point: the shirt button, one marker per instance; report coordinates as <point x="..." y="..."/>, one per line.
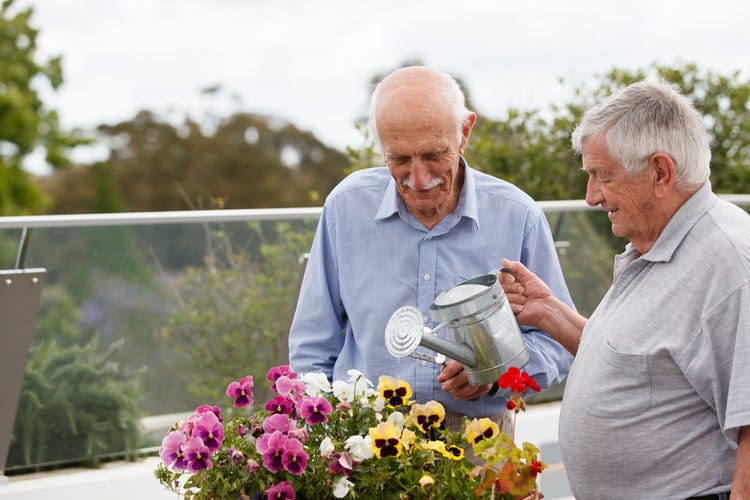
<point x="424" y="363"/>
<point x="427" y="277"/>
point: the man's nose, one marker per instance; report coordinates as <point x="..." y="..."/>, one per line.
<point x="420" y="175"/>
<point x="593" y="192"/>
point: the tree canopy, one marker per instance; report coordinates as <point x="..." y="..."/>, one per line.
<point x="246" y="160"/>
<point x="532" y="149"/>
<point x="25" y="122"/>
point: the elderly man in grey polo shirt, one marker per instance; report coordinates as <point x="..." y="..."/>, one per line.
<point x="657" y="403"/>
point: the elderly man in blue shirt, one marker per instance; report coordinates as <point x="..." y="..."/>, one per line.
<point x="402" y="234"/>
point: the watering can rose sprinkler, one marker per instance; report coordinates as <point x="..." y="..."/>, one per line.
<point x="485" y="336"/>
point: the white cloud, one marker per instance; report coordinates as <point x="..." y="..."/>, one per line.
<point x="310" y="62"/>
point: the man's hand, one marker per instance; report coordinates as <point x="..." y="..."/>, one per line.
<point x="525" y="291"/>
<point x="534" y="305"/>
<point x="453" y="379"/>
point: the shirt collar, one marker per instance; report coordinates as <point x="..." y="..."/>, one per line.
<point x="681" y="223"/>
<point x="467" y="201"/>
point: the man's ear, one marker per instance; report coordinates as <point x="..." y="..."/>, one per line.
<point x="466" y="132"/>
<point x="664" y="171"/>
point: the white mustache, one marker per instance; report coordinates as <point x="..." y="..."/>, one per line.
<point x="434" y="182"/>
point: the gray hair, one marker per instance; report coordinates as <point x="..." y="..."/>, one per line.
<point x="645" y="118"/>
<point x="451" y="95"/>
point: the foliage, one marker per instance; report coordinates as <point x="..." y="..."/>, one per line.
<point x="532" y="148"/>
<point x="76" y="403"/>
<point x="241" y="161"/>
<point x="234" y="301"/>
<point x="315" y="439"/>
<point x="25" y="122"/>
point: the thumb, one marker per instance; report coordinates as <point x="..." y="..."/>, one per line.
<point x="521" y="272"/>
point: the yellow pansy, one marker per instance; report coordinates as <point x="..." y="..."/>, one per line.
<point x="426" y="481"/>
<point x="448" y="451"/>
<point x="394" y="391"/>
<point x="408" y="438"/>
<point x="481" y="428"/>
<point x="385" y="440"/>
<point x="428" y="416"/>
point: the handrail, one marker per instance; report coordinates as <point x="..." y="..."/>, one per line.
<point x="230" y="215"/>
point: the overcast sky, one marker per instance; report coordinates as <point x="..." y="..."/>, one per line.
<point x="310" y="61"/>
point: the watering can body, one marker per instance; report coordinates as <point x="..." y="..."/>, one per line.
<point x="484" y="334"/>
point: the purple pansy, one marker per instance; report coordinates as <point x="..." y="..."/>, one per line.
<point x="280" y="404"/>
<point x="271" y="447"/>
<point x="280" y="491"/>
<point x="197" y="455"/>
<point x="314" y="409"/>
<point x="209" y="429"/>
<point x="295" y="457"/>
<point x="241" y="392"/>
<point x="213" y="409"/>
<point x="172" y="452"/>
<point x="279" y="422"/>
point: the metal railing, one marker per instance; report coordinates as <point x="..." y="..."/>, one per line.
<point x="133" y="278"/>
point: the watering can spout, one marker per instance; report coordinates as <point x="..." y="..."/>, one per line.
<point x="485" y="336"/>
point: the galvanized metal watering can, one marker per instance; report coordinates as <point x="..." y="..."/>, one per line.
<point x="485" y="336"/>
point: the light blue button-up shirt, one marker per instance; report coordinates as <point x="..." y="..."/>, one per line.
<point x="370" y="256"/>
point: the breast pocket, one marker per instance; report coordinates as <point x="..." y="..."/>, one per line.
<point x="619" y="383"/>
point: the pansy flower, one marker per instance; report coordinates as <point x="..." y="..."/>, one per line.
<point x="271" y="447"/>
<point x="288" y="386"/>
<point x="385" y="440"/>
<point x="241" y="392"/>
<point x="209" y="429"/>
<point x="314" y="410"/>
<point x="482" y="428"/>
<point x="316" y="383"/>
<point x="281" y="491"/>
<point x="277" y="372"/>
<point x="395" y="392"/>
<point x="197" y="455"/>
<point x="295" y="457"/>
<point x="448" y="451"/>
<point x="171" y="451"/>
<point x="360" y="447"/>
<point x="213" y="409"/>
<point x="341" y="487"/>
<point x="280" y="404"/>
<point x="428" y="416"/>
<point x="279" y="422"/>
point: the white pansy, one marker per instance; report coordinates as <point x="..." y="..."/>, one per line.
<point x="343" y="390"/>
<point x="316" y="383"/>
<point x="341" y="487"/>
<point x="360" y="382"/>
<point x="378" y="405"/>
<point x="359" y="447"/>
<point x="326" y="447"/>
<point x="397" y="419"/>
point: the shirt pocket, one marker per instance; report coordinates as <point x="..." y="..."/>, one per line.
<point x="619" y="384"/>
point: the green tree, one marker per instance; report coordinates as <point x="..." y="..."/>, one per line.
<point x="241" y="161"/>
<point x="233" y="313"/>
<point x="532" y="148"/>
<point x="76" y="403"/>
<point x="25" y="122"/>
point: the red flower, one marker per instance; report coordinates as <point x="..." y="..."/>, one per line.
<point x="536" y="467"/>
<point x="517" y="381"/>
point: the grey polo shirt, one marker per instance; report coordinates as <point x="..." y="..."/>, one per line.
<point x="661" y="382"/>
